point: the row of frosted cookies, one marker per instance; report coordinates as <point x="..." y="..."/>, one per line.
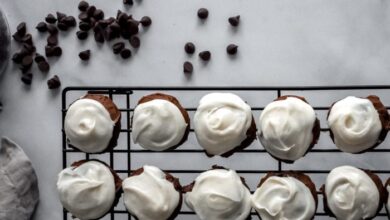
<point x="223" y="123"/>
<point x="90" y="189"/>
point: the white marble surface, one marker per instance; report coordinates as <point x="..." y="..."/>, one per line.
<point x="281" y="42"/>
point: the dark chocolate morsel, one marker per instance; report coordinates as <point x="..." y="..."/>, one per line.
<point x="85" y="55"/>
<point x="1" y="106"/>
<point x="82" y="35"/>
<point x="118" y="47"/>
<point x="53" y="51"/>
<point x="99" y="37"/>
<point x="27" y="39"/>
<point x="125" y="53"/>
<point x="203" y="13"/>
<point x="234" y="21"/>
<point x="52" y="29"/>
<point x="21" y="29"/>
<point x="189" y="48"/>
<point x="146" y="21"/>
<point x="83" y="5"/>
<point x="17" y="58"/>
<point x="98" y="14"/>
<point x="44" y="66"/>
<point x="39" y="58"/>
<point x="135" y="41"/>
<point x="27" y="78"/>
<point x="41" y="27"/>
<point x="27" y="61"/>
<point x="70" y="21"/>
<point x="52" y="40"/>
<point x="17" y="38"/>
<point x="60" y="16"/>
<point x="84" y="16"/>
<point x="187" y="67"/>
<point x="205" y="55"/>
<point x="231" y="49"/>
<point x="50" y="18"/>
<point x="84" y="26"/>
<point x="54" y="82"/>
<point x="128" y="2"/>
<point x="28" y="49"/>
<point x="62" y="26"/>
<point x="91" y="10"/>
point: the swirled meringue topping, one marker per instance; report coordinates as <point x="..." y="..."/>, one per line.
<point x="158" y="125"/>
<point x="87" y="191"/>
<point x="351" y="194"/>
<point x="88" y="126"/>
<point x="284" y="198"/>
<point x="286" y="128"/>
<point x="355" y="124"/>
<point x="219" y="195"/>
<point x="149" y="195"/>
<point x="221" y="122"/>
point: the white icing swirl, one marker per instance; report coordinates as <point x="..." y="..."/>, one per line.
<point x="158" y="125"/>
<point x="88" y="126"/>
<point x="285" y="128"/>
<point x="284" y="198"/>
<point x="351" y="194"/>
<point x="87" y="191"/>
<point x="150" y="196"/>
<point x="221" y="122"/>
<point x="355" y="124"/>
<point x="219" y="195"/>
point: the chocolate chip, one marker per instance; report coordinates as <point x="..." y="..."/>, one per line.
<point x="187" y="67"/>
<point x="85" y="55"/>
<point x="25" y="69"/>
<point x="28" y="49"/>
<point x="21" y="29"/>
<point x="189" y="48"/>
<point x="99" y="37"/>
<point x="82" y="35"/>
<point x="98" y="14"/>
<point x="231" y="49"/>
<point x="84" y="16"/>
<point x="41" y="27"/>
<point x="146" y="21"/>
<point x="60" y="16"/>
<point x="53" y="51"/>
<point x="52" y="29"/>
<point x="84" y="26"/>
<point x="27" y="39"/>
<point x="27" y="61"/>
<point x="17" y="58"/>
<point x="39" y="58"/>
<point x="205" y="55"/>
<point x="125" y="53"/>
<point x="70" y="21"/>
<point x="109" y="34"/>
<point x="17" y="38"/>
<point x="203" y="13"/>
<point x="27" y="78"/>
<point x="62" y="26"/>
<point x="1" y="107"/>
<point x="234" y="21"/>
<point x="118" y="47"/>
<point x="122" y="18"/>
<point x="83" y="5"/>
<point x="128" y="2"/>
<point x="135" y="41"/>
<point x="115" y="27"/>
<point x="52" y="40"/>
<point x="50" y="19"/>
<point x="44" y="66"/>
<point x="91" y="10"/>
<point x="54" y="82"/>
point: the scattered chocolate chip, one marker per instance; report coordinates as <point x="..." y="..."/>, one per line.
<point x="234" y="21"/>
<point x="62" y="26"/>
<point x="53" y="51"/>
<point x="231" y="49"/>
<point x="98" y="14"/>
<point x="135" y="41"/>
<point x="27" y="39"/>
<point x="115" y="27"/>
<point x="21" y="29"/>
<point x="84" y="26"/>
<point x="44" y="66"/>
<point x="39" y="58"/>
<point x="84" y="16"/>
<point x="128" y="2"/>
<point x="52" y="40"/>
<point x="118" y="47"/>
<point x="205" y="55"/>
<point x="125" y="53"/>
<point x="17" y="38"/>
<point x="1" y="107"/>
<point x="203" y="13"/>
<point x="27" y="78"/>
<point x="131" y="28"/>
<point x="85" y="55"/>
<point x="109" y="34"/>
<point x="50" y="19"/>
<point x="146" y="21"/>
<point x="122" y="18"/>
<point x="91" y="10"/>
<point x="41" y="27"/>
<point x="60" y="16"/>
<point x="54" y="82"/>
<point x="52" y="29"/>
<point x="82" y="35"/>
<point x="70" y="21"/>
<point x="17" y="58"/>
<point x="25" y="69"/>
<point x="27" y="61"/>
<point x="187" y="67"/>
<point x="28" y="49"/>
<point x="83" y="5"/>
<point x="99" y="37"/>
<point x="189" y="48"/>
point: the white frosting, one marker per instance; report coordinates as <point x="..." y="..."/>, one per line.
<point x="150" y="196"/>
<point x="87" y="191"/>
<point x="355" y="124"/>
<point x="219" y="195"/>
<point x="158" y="125"/>
<point x="284" y="198"/>
<point x="351" y="194"/>
<point x="221" y="122"/>
<point x="285" y="128"/>
<point x="88" y="125"/>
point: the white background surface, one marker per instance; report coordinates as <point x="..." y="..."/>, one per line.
<point x="282" y="42"/>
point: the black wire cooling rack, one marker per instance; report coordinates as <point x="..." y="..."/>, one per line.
<point x="128" y="97"/>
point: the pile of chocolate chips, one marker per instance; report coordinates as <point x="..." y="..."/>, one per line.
<point x="189" y="47"/>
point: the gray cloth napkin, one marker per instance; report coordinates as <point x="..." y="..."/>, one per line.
<point x="19" y="194"/>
